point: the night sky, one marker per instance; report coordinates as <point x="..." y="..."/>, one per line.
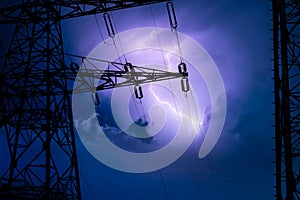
<point x="236" y="34"/>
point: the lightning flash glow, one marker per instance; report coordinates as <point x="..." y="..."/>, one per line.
<point x="184" y="106"/>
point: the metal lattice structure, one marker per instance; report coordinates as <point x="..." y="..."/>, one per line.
<point x="286" y="39"/>
<point x="36" y="85"/>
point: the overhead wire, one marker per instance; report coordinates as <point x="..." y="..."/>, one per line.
<point x="163" y="58"/>
<point x="88" y="184"/>
<point x="171" y="87"/>
<point x="125" y="58"/>
<point x="164" y="185"/>
<point x="100" y="31"/>
<point x="193" y="100"/>
<point x="192" y="96"/>
<point x="112" y="32"/>
<point x="115" y="31"/>
<point x="82" y="174"/>
<point x="189" y="153"/>
<point x="173" y="25"/>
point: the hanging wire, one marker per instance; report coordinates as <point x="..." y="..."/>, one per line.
<point x="159" y="42"/>
<point x="118" y="37"/>
<point x="112" y="32"/>
<point x="209" y="158"/>
<point x="170" y="85"/>
<point x="117" y="51"/>
<point x="139" y="101"/>
<point x="90" y="188"/>
<point x="134" y="102"/>
<point x="174" y="30"/>
<point x="189" y="154"/>
<point x="163" y="57"/>
<point x="164" y="185"/>
<point x="95" y="59"/>
<point x="124" y="55"/>
<point x="174" y="25"/>
<point x="100" y="31"/>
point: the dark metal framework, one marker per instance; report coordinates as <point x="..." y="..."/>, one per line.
<point x="36" y="85"/>
<point x="286" y="39"/>
<point x="123" y="75"/>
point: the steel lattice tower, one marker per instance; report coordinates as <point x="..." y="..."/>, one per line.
<point x="36" y="85"/>
<point x="286" y="39"/>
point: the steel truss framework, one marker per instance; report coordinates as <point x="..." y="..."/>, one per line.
<point x="286" y="39"/>
<point x="36" y="85"/>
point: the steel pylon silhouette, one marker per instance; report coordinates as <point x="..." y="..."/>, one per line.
<point x="286" y="40"/>
<point x="36" y="85"/>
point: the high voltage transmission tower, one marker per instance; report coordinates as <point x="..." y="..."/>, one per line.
<point x="35" y="89"/>
<point x="286" y="43"/>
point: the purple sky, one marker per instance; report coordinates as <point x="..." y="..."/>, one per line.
<point x="237" y="36"/>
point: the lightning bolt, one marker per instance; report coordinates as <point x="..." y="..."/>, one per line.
<point x="172" y="108"/>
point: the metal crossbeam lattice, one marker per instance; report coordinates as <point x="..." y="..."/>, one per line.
<point x="67" y="9"/>
<point x="286" y="39"/>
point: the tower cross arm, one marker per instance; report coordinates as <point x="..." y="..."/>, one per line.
<point x="65" y="9"/>
<point x="135" y="76"/>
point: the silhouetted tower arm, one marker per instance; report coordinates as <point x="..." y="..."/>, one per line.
<point x="126" y="75"/>
<point x="66" y="9"/>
